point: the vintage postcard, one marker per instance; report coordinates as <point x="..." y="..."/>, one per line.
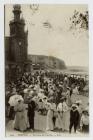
<point x="46" y="70"/>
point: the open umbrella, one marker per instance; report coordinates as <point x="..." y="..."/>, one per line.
<point x="13" y="100"/>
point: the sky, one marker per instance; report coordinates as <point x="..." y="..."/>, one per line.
<point x="54" y="39"/>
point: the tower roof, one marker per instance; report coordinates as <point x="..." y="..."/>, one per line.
<point x="17" y="8"/>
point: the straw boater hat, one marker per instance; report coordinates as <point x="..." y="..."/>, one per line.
<point x="85" y="111"/>
<point x="68" y="87"/>
<point x="74" y="106"/>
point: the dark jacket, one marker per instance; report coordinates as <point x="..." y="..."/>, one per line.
<point x="31" y="108"/>
<point x="74" y="116"/>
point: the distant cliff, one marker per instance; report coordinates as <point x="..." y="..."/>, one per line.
<point x="47" y="62"/>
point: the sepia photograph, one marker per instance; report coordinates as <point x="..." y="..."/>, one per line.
<point x="46" y="49"/>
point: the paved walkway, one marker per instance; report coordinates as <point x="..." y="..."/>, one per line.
<point x="40" y="129"/>
<point x="40" y="125"/>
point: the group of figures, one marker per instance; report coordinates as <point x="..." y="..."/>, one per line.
<point x="49" y="94"/>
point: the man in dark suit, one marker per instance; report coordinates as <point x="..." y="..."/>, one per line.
<point x="31" y="114"/>
<point x="74" y="118"/>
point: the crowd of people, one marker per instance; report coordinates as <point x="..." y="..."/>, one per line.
<point x="49" y="94"/>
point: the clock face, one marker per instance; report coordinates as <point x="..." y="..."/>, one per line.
<point x="20" y="43"/>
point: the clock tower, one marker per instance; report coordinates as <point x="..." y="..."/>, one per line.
<point x="18" y="37"/>
<point x="16" y="47"/>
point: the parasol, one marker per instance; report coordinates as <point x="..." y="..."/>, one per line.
<point x="13" y="100"/>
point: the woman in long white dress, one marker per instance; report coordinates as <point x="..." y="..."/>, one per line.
<point x="68" y="98"/>
<point x="59" y="121"/>
<point x="66" y="116"/>
<point x="49" y="123"/>
<point x="62" y="109"/>
<point x="20" y="116"/>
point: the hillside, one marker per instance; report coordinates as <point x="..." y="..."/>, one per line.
<point x="47" y="62"/>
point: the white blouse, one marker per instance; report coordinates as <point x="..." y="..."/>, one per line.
<point x="62" y="107"/>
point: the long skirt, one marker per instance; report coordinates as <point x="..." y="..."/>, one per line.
<point x="49" y="123"/>
<point x="66" y="117"/>
<point x="26" y="118"/>
<point x="11" y="113"/>
<point x="20" y="121"/>
<point x="59" y="121"/>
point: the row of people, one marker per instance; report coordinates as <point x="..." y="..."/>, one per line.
<point x="61" y="117"/>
